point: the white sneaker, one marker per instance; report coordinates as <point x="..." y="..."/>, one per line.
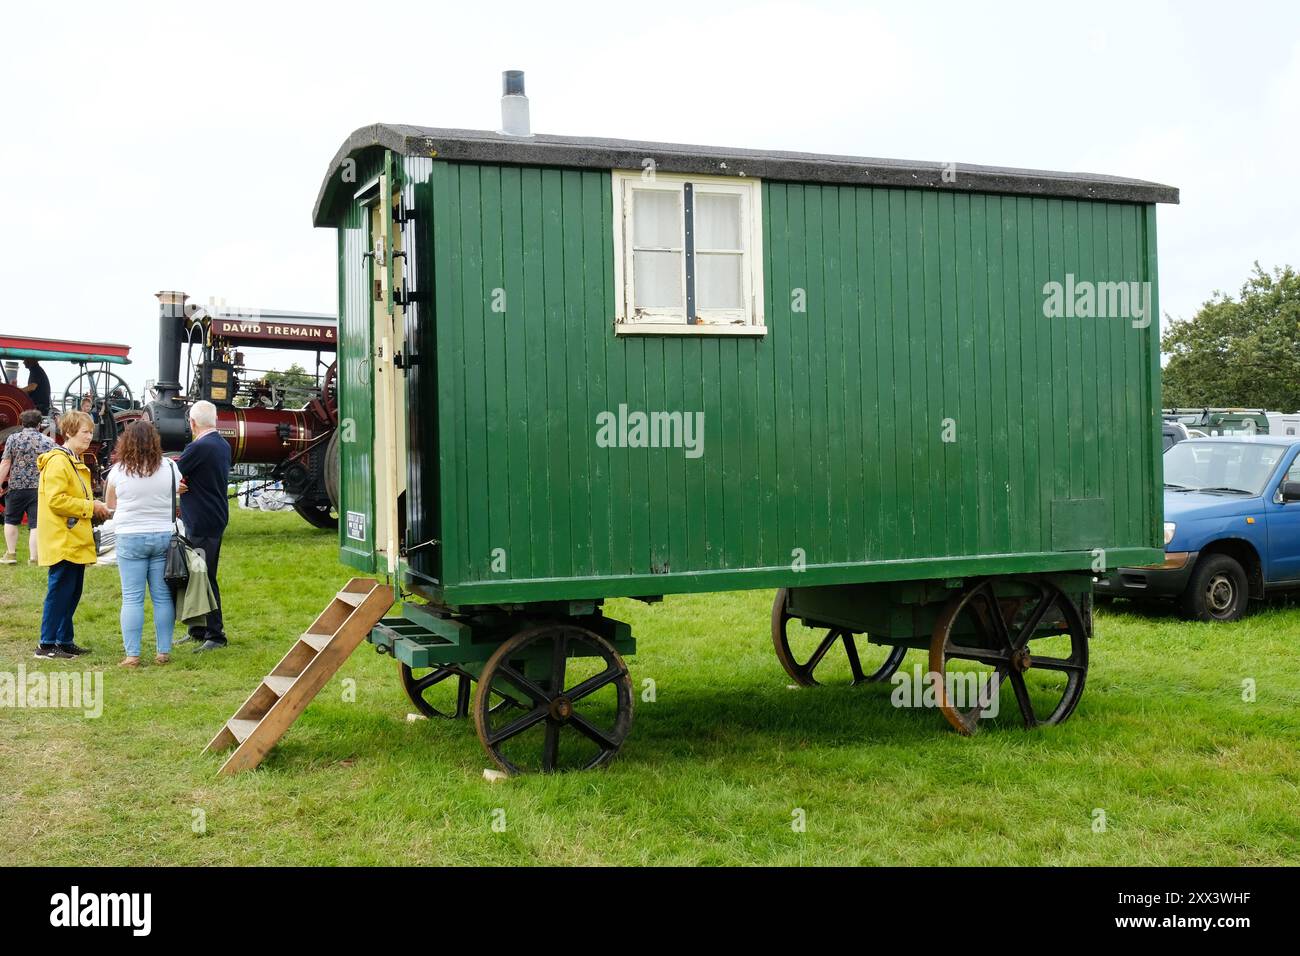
<point x="10" y="558"/>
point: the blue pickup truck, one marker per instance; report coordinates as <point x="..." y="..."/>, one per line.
<point x="1232" y="527"/>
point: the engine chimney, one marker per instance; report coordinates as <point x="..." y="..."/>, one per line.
<point x="167" y="411"/>
<point x="514" y="104"/>
<point x="171" y="326"/>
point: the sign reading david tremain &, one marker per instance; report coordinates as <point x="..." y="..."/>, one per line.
<point x="308" y="332"/>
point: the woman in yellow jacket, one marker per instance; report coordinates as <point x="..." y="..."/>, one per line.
<point x="65" y="506"/>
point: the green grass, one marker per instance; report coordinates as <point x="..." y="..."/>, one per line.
<point x="1184" y="769"/>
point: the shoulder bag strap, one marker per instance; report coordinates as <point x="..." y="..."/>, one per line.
<point x="176" y="504"/>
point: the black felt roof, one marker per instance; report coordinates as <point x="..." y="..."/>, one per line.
<point x="480" y="146"/>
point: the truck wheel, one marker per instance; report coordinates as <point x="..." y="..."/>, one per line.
<point x="1218" y="590"/>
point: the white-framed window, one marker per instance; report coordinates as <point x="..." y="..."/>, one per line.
<point x="687" y="254"/>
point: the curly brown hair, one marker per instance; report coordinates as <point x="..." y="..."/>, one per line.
<point x="139" y="451"/>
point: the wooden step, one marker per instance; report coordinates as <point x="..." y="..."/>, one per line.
<point x="317" y="642"/>
<point x="242" y="729"/>
<point x="299" y="677"/>
<point x="278" y="684"/>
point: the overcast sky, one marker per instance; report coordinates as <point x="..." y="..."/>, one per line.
<point x="181" y="147"/>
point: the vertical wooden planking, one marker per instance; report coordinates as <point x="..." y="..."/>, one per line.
<point x="830" y="348"/>
<point x="1017" y="350"/>
<point x="896" y="399"/>
<point x="917" y="345"/>
<point x="473" y="310"/>
<point x="535" y="321"/>
<point x="577" y="432"/>
<point x="870" y="491"/>
<point x="496" y="330"/>
<point x="941" y="535"/>
<point x="451" y="367"/>
<point x="767" y="383"/>
<point x="515" y="482"/>
<point x="963" y="501"/>
<point x="1123" y="386"/>
<point x="1004" y="410"/>
<point x="814" y="535"/>
<point x="594" y="325"/>
<point x="786" y="337"/>
<point x="1077" y="426"/>
<point x="855" y="447"/>
<point x="825" y="433"/>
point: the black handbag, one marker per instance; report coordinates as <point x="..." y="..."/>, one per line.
<point x="176" y="570"/>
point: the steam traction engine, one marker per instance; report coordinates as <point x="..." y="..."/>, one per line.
<point x="296" y="445"/>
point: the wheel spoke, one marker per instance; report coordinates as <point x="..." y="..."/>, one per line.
<point x="433" y="677"/>
<point x="593" y="684"/>
<point x="1046" y="604"/>
<point x="559" y="656"/>
<point x="517" y="726"/>
<point x="523" y="683"/>
<point x="982" y="655"/>
<point x="855" y="664"/>
<point x="603" y="740"/>
<point x="1022" y="698"/>
<point x="462" y="695"/>
<point x="995" y="622"/>
<point x="551" y="747"/>
<point x="822" y="648"/>
<point x="1057" y="664"/>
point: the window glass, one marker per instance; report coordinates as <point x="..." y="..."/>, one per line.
<point x="656" y="219"/>
<point x="717" y="222"/>
<point x="718" y="283"/>
<point x="658" y="279"/>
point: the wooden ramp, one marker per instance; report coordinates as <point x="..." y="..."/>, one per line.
<point x="310" y="663"/>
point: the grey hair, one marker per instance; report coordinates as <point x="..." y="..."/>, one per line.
<point x="204" y="414"/>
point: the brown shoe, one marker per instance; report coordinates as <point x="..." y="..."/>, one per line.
<point x="162" y="659"/>
<point x="130" y="662"/>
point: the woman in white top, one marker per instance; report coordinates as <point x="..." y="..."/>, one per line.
<point x="140" y="490"/>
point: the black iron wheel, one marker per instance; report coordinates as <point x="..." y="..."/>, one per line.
<point x="802" y="650"/>
<point x="443" y="692"/>
<point x="981" y="641"/>
<point x="575" y="717"/>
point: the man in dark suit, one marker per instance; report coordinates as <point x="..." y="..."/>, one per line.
<point x="205" y="465"/>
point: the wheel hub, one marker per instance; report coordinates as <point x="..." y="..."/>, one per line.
<point x="1021" y="660"/>
<point x="1220" y="593"/>
<point x="561" y="708"/>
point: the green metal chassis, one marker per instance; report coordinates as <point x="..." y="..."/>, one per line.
<point x="901" y="613"/>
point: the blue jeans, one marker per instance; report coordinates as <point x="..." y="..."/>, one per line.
<point x="62" y="595"/>
<point x="141" y="559"/>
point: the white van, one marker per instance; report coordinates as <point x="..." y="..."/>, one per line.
<point x="1280" y="423"/>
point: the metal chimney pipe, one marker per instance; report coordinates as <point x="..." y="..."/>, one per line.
<point x="514" y="105"/>
<point x="171" y="327"/>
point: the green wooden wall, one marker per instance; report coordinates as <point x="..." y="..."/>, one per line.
<point x="823" y="437"/>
